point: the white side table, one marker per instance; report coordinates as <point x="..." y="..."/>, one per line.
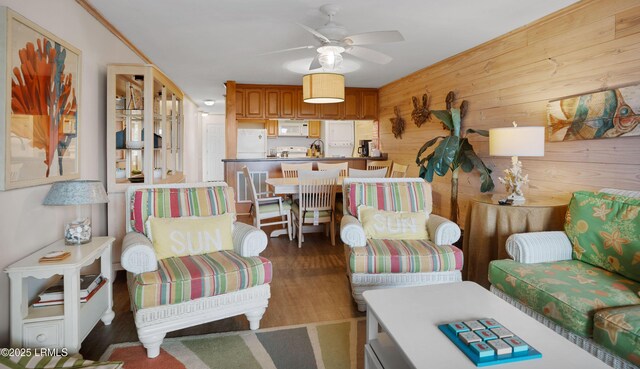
<point x="68" y="324"/>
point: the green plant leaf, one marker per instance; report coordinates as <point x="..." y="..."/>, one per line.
<point x="465" y="163"/>
<point x="445" y="154"/>
<point x="481" y="132"/>
<point x="424" y="147"/>
<point x="445" y="118"/>
<point x="485" y="173"/>
<point x="455" y="119"/>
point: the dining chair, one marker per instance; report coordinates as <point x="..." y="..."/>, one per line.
<point x="315" y="203"/>
<point x="398" y="170"/>
<point x="377" y="164"/>
<point x="291" y="170"/>
<point x="374" y="173"/>
<point x="268" y="207"/>
<point x="343" y="167"/>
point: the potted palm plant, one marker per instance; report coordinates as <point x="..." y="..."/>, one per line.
<point x="454" y="152"/>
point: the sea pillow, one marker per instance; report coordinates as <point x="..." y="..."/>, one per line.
<point x="393" y="225"/>
<point x="175" y="237"/>
<point x="605" y="231"/>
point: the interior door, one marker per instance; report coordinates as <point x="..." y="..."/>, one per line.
<point x="214" y="152"/>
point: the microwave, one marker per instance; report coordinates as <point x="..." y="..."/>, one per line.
<point x="298" y="128"/>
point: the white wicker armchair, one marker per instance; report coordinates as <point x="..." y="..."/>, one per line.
<point x="442" y="232"/>
<point x="152" y="323"/>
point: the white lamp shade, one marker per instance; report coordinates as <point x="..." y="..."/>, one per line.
<point x="323" y="88"/>
<point x="516" y="141"/>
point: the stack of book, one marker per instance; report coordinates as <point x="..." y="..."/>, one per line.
<point x="54" y="294"/>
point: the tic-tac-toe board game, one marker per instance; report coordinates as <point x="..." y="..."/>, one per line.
<point x="487" y="342"/>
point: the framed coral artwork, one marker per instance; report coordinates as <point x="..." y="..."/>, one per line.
<point x="40" y="104"/>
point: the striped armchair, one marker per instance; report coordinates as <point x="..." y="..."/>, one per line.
<point x="378" y="263"/>
<point x="180" y="292"/>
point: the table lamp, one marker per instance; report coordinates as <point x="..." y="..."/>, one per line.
<point x="81" y="194"/>
<point x="516" y="141"/>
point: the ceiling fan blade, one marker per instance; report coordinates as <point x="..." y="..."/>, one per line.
<point x="377" y="37"/>
<point x="318" y="35"/>
<point x="290" y="49"/>
<point x="315" y="63"/>
<point x="368" y="54"/>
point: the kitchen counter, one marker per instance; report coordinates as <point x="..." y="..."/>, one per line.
<point x="306" y="158"/>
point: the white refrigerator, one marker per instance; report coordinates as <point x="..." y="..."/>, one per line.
<point x="338" y="137"/>
<point x="252" y="143"/>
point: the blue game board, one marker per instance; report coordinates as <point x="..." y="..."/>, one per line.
<point x="487" y="342"/>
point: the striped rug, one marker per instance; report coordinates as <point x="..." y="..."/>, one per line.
<point x="326" y="345"/>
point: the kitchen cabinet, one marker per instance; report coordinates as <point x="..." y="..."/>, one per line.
<point x="314" y="129"/>
<point x="352" y="99"/>
<point x="272" y="103"/>
<point x="272" y="128"/>
<point x="275" y="101"/>
<point x="369" y="104"/>
<point x="254" y="103"/>
<point x="287" y="103"/>
<point x="305" y="111"/>
<point x="332" y="111"/>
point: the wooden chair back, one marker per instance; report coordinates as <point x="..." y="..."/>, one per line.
<point x="252" y="188"/>
<point x="374" y="173"/>
<point x="317" y="190"/>
<point x="343" y="167"/>
<point x="377" y="164"/>
<point x="291" y="170"/>
<point x="398" y="170"/>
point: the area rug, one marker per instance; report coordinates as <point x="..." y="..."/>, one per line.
<point x="326" y="345"/>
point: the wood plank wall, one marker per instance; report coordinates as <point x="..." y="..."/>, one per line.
<point x="591" y="45"/>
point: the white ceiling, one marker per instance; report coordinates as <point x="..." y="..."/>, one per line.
<point x="200" y="44"/>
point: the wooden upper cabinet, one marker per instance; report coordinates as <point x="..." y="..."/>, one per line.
<point x="305" y="110"/>
<point x="369" y="104"/>
<point x="332" y="111"/>
<point x="287" y="103"/>
<point x="240" y="113"/>
<point x="352" y="101"/>
<point x="272" y="103"/>
<point x="254" y="103"/>
<point x="314" y="129"/>
<point x="272" y="128"/>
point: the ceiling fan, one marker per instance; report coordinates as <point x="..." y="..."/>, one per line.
<point x="334" y="41"/>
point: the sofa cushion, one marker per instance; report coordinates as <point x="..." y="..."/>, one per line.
<point x="186" y="278"/>
<point x="404" y="256"/>
<point x="618" y="329"/>
<point x="605" y="231"/>
<point x="179" y="202"/>
<point x="393" y="196"/>
<point x="190" y="235"/>
<point x="393" y="225"/>
<point x="567" y="292"/>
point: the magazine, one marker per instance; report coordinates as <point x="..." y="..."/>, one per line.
<point x="40" y="302"/>
<point x="56" y="291"/>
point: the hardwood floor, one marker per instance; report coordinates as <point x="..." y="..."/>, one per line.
<point x="309" y="285"/>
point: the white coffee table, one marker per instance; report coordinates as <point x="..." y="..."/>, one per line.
<point x="410" y="337"/>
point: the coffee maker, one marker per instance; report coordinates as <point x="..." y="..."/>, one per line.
<point x="363" y="149"/>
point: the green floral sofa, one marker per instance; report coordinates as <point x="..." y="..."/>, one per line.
<point x="585" y="282"/>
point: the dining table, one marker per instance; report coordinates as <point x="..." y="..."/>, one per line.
<point x="289" y="186"/>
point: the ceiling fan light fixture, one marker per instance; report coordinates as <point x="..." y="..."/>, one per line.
<point x="323" y="88"/>
<point x="330" y="57"/>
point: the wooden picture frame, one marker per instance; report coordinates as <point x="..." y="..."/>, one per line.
<point x="40" y="104"/>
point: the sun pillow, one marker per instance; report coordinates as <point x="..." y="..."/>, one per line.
<point x="393" y="225"/>
<point x="175" y="237"/>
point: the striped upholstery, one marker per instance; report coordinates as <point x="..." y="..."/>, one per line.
<point x="191" y="277"/>
<point x="46" y="362"/>
<point x="179" y="202"/>
<point x="404" y="256"/>
<point x="392" y="196"/>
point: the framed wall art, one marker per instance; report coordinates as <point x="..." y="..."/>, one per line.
<point x="40" y="104"/>
<point x="604" y="114"/>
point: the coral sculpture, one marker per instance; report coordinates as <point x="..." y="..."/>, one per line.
<point x="41" y="88"/>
